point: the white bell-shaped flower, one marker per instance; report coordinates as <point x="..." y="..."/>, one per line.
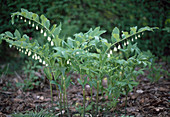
<point x="124" y="43"/>
<point x="36" y="27"/>
<point x="52" y="43"/>
<point x="49" y="39"/>
<point x="132" y="39"/>
<point x="41" y="31"/>
<point x="21" y="18"/>
<point x="40" y="60"/>
<point x="20" y="50"/>
<point x="136" y="37"/>
<point x="67" y="62"/>
<point x="46" y="65"/>
<point x="25" y="20"/>
<point x="25" y="52"/>
<point x="32" y="56"/>
<point x="111" y="52"/>
<point x="143" y="33"/>
<point x="43" y="62"/>
<point x="119" y="47"/>
<point x="35" y="57"/>
<point x="108" y="55"/>
<point x="29" y="53"/>
<point x="38" y="57"/>
<point x="115" y="49"/>
<point x="29" y="22"/>
<point x="45" y="34"/>
<point x="33" y="25"/>
<point x="127" y="42"/>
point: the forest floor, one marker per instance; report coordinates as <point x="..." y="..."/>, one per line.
<point x="146" y="100"/>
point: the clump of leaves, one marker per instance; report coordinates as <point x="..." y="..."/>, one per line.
<point x="88" y="54"/>
<point x="31" y="80"/>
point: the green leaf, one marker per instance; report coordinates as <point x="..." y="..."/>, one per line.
<point x="70" y="42"/>
<point x="43" y="20"/>
<point x="9" y="34"/>
<point x="125" y="35"/>
<point x="35" y="17"/>
<point x="48" y="73"/>
<point x="57" y="31"/>
<point x="97" y="32"/>
<point x="79" y="81"/>
<point x="133" y="30"/>
<point x="47" y="24"/>
<point x="147" y="29"/>
<point x="115" y="35"/>
<point x="17" y="34"/>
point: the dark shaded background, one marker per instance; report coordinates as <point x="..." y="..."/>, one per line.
<point x="81" y="15"/>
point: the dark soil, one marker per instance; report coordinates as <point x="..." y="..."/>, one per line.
<point x="146" y="100"/>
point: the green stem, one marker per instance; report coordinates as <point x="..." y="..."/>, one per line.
<point x="84" y="101"/>
<point x="68" y="113"/>
<point x="51" y="89"/>
<point x="61" y="103"/>
<point x="64" y="93"/>
<point x="97" y="98"/>
<point x="91" y="91"/>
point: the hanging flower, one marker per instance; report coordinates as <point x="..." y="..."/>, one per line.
<point x="43" y="62"/>
<point x="40" y="60"/>
<point x="41" y="31"/>
<point x="29" y="22"/>
<point x="115" y="49"/>
<point x="36" y="27"/>
<point x="29" y="53"/>
<point x="25" y="20"/>
<point x="49" y="39"/>
<point x="45" y="34"/>
<point x="52" y="43"/>
<point x="33" y="25"/>
<point x="108" y="55"/>
<point x="110" y="51"/>
<point x="132" y="39"/>
<point x="119" y="47"/>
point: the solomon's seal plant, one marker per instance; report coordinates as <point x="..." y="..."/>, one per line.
<point x="112" y="61"/>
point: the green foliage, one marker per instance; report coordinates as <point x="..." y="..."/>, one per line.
<point x="156" y="71"/>
<point x="87" y="53"/>
<point x="32" y="81"/>
<point x="79" y="16"/>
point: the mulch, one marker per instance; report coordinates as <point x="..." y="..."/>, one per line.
<point x="146" y="100"/>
